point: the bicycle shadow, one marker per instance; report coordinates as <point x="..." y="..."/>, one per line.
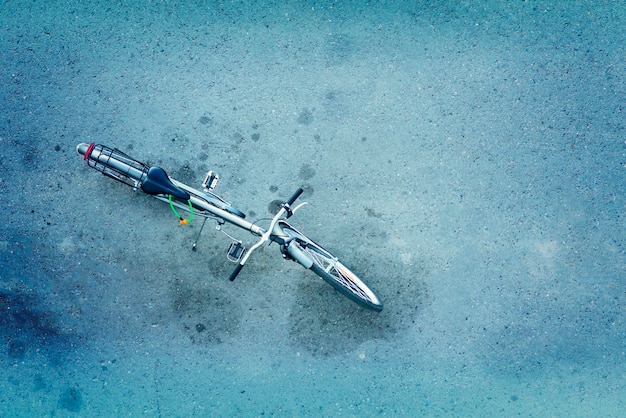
<point x="324" y="323"/>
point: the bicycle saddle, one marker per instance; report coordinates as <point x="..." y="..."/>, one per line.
<point x="158" y="182"/>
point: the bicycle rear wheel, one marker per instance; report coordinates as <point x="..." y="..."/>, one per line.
<point x="329" y="268"/>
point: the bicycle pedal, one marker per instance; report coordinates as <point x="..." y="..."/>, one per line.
<point x="235" y="252"/>
<point x="210" y="181"/>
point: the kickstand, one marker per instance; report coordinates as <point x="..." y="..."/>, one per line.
<point x="193" y="247"/>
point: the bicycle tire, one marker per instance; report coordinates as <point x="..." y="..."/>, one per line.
<point x="335" y="273"/>
<point x="211" y="199"/>
<point x="232" y="210"/>
<point x="184" y="206"/>
<point x="221" y="205"/>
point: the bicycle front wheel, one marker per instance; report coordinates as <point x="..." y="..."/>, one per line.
<point x="329" y="268"/>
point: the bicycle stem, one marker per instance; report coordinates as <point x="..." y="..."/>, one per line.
<point x="285" y="209"/>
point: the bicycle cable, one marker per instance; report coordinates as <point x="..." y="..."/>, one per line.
<point x="181" y="220"/>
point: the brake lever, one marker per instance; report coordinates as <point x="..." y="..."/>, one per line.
<point x="292" y="211"/>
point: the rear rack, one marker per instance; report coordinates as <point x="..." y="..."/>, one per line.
<point x="117" y="165"/>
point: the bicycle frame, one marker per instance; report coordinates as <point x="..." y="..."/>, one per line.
<point x="198" y="202"/>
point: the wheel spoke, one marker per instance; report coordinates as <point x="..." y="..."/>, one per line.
<point x="337" y="271"/>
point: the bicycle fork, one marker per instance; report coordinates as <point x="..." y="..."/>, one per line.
<point x="295" y="253"/>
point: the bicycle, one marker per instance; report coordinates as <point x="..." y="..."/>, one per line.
<point x="293" y="244"/>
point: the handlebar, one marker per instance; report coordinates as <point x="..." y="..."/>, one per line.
<point x="266" y="236"/>
<point x="295" y="196"/>
<point x="235" y="272"/>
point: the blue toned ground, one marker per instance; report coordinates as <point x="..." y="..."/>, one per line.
<point x="466" y="158"/>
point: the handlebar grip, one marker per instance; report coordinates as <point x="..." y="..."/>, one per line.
<point x="234" y="274"/>
<point x="295" y="196"/>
